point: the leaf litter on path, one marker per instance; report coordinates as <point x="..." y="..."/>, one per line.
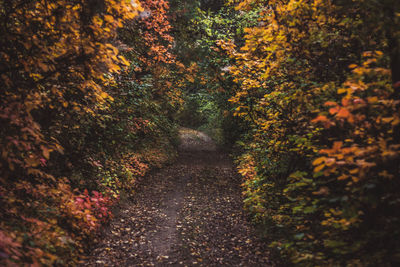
<point x="187" y="214"/>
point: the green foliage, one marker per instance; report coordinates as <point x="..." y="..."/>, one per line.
<point x="203" y="113"/>
<point x="206" y="83"/>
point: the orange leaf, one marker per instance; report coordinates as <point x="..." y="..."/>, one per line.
<point x="337" y="145"/>
<point x="333" y="110"/>
<point x="320" y="118"/>
<point x="343" y="113"/>
<point x="330" y="103"/>
<point x="345" y="101"/>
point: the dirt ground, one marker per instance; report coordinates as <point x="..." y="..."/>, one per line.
<point x="187" y="214"/>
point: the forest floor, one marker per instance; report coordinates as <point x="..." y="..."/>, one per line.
<point x="186" y="214"/>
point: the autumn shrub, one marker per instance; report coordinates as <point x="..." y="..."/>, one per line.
<point x="76" y="114"/>
<point x="318" y="86"/>
<point x="363" y="161"/>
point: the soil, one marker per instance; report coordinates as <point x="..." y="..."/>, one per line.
<point x="187" y="214"/>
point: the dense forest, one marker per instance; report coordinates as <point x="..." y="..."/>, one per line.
<point x="305" y="94"/>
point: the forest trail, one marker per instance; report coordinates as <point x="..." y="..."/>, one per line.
<point x="187" y="214"/>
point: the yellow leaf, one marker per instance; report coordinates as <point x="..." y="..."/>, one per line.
<point x="396" y="121"/>
<point x="387" y="120"/>
<point x="343" y="177"/>
<point x="108" y="18"/>
<point x="354" y="171"/>
<point x="319" y="168"/>
<point x="372" y="99"/>
<point x="318" y="161"/>
<point x="124" y="61"/>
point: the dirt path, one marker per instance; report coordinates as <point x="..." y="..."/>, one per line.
<point x="187" y="214"/>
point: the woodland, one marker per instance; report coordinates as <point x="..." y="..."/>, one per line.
<point x="303" y="94"/>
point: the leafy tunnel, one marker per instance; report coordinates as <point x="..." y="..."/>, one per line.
<point x="303" y="94"/>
